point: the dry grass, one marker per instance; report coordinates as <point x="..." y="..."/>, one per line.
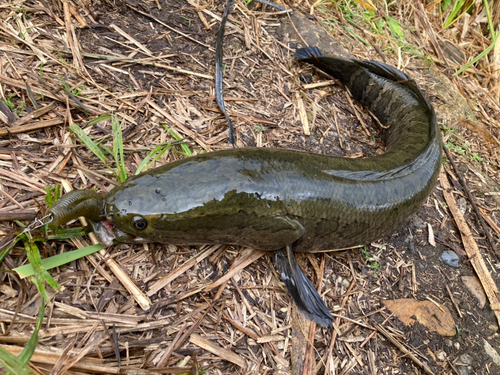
<point x="174" y="310"/>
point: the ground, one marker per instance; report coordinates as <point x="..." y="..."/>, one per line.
<point x="151" y="64"/>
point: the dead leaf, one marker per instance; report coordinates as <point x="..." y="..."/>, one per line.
<point x="437" y="318"/>
<point x="481" y="129"/>
<point x="474" y="286"/>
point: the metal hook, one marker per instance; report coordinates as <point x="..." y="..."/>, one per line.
<point x="38" y="223"/>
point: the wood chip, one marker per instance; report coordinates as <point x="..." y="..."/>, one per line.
<point x="217" y="350"/>
<point x="302" y="113"/>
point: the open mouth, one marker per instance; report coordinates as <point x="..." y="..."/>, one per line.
<point x="106" y="232"/>
<point x="108" y="226"/>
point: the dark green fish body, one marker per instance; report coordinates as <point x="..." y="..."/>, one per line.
<point x="265" y="198"/>
<point x="272" y="198"/>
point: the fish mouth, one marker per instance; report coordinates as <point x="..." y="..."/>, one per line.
<point x="106" y="232"/>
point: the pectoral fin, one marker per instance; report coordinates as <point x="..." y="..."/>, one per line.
<point x="272" y="233"/>
<point x="306" y="298"/>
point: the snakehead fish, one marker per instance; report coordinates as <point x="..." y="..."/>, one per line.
<point x="282" y="200"/>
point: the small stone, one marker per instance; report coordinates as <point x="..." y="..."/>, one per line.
<point x="462" y="370"/>
<point x="343" y="282"/>
<point x="465" y="359"/>
<point x="492" y="328"/>
<point x="441" y="355"/>
<point x="412" y="246"/>
<point x="462" y="205"/>
<point x="448" y="342"/>
<point x="450" y="258"/>
<point x="418" y="222"/>
<point x="457" y="345"/>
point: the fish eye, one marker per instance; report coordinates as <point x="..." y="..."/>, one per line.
<point x="139" y="223"/>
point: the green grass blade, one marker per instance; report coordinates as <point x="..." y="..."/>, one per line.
<point x="167" y="147"/>
<point x="36" y="263"/>
<point x="457" y="8"/>
<point x="99" y="119"/>
<point x="185" y="148"/>
<point x="145" y="164"/>
<point x="56" y="190"/>
<point x="480" y="56"/>
<point x="30" y="347"/>
<point x="40" y="274"/>
<point x="351" y="31"/>
<point x="107" y="150"/>
<point x="12" y="364"/>
<point x="91" y="145"/>
<point x="61" y="234"/>
<point x="59" y="260"/>
<point x="118" y="149"/>
<point x="6" y="250"/>
<point x="488" y="17"/>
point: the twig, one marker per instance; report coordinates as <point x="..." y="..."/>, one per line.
<point x="30" y="127"/>
<point x="246" y="257"/>
<point x="475" y="257"/>
<point x="355" y="110"/>
<point x="197" y="323"/>
<point x="217" y="350"/>
<point x="453" y="301"/>
<point x="336" y="332"/>
<point x="35" y="185"/>
<point x="168" y="352"/>
<point x="302" y="114"/>
<point x="7" y="195"/>
<point x="424" y="21"/>
<point x="17" y="215"/>
<point x="132" y="40"/>
<point x="352" y="321"/>
<point x="35" y="114"/>
<point x="263" y="329"/>
<point x="279" y="7"/>
<point x="241" y="328"/>
<point x="168" y="27"/>
<point x="158" y="285"/>
<point x="387" y="335"/>
<point x="472" y="202"/>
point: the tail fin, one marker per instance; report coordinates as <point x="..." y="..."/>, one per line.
<point x="306" y="298"/>
<point x="305" y="53"/>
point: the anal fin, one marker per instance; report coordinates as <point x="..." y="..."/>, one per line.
<point x="309" y="303"/>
